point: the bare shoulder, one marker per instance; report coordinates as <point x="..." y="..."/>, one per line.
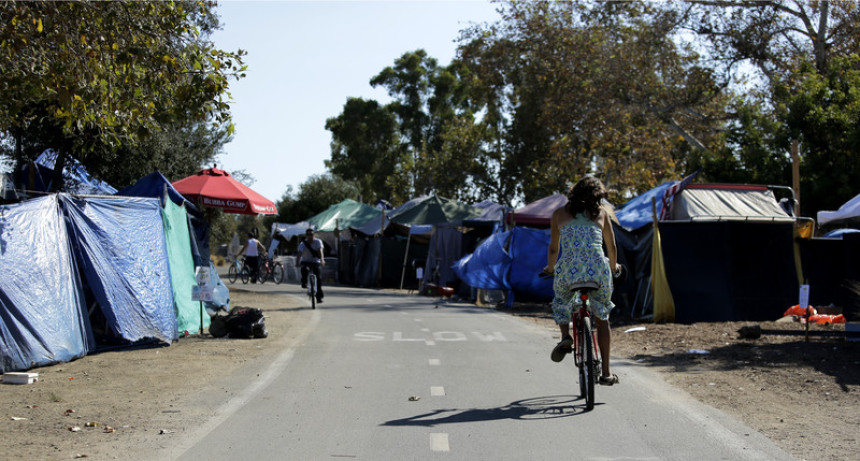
<point x="561" y="216"/>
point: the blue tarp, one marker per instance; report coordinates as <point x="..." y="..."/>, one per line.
<point x="42" y="312"/>
<point x="155" y="185"/>
<point x="122" y="252"/>
<point x="637" y="212"/>
<point x="528" y="258"/>
<point x="510" y="261"/>
<point x="487" y="268"/>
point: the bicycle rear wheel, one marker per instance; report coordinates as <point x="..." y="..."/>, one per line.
<point x="586" y="373"/>
<point x="246" y="275"/>
<point x="278" y="273"/>
<point x="265" y="273"/>
<point x="232" y="273"/>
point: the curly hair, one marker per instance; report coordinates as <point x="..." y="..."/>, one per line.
<point x="585" y="197"/>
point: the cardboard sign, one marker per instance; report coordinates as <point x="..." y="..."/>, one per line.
<point x="804" y="296"/>
<point x="202" y="275"/>
<point x="202" y="293"/>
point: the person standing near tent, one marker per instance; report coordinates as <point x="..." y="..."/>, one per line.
<point x="581" y="228"/>
<point x="310" y="257"/>
<point x="252" y="249"/>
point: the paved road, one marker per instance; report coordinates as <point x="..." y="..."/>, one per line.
<point x="383" y="376"/>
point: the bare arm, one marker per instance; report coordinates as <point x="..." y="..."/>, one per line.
<point x="609" y="241"/>
<point x="554" y="237"/>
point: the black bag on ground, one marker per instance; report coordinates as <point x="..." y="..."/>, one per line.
<point x="246" y="322"/>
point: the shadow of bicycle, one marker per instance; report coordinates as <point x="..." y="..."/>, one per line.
<point x="539" y="408"/>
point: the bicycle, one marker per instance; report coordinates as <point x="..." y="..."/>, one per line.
<point x="311" y="284"/>
<point x="586" y="357"/>
<point x="265" y="271"/>
<point x="278" y="272"/>
<point x="235" y="269"/>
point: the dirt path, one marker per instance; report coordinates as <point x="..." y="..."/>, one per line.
<point x="804" y="396"/>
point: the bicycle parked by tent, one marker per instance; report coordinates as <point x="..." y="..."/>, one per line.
<point x="235" y="269"/>
<point x="271" y="269"/>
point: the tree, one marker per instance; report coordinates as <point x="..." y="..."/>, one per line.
<point x="366" y="148"/>
<point x="797" y="60"/>
<point x="314" y="196"/>
<point x="89" y="78"/>
<point x="563" y="69"/>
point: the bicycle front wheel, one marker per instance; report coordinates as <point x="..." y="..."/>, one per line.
<point x="312" y="290"/>
<point x="586" y="374"/>
<point x="232" y="273"/>
<point x="246" y="275"/>
<point x="278" y="273"/>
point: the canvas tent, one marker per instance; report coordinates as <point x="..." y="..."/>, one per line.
<point x="156" y="185"/>
<point x="344" y="215"/>
<point x="537" y="213"/>
<point x="728" y="252"/>
<point x="848" y="213"/>
<point x="39" y="176"/>
<point x="49" y="311"/>
<point x="43" y="317"/>
<point x="383" y="249"/>
<point x="127" y="273"/>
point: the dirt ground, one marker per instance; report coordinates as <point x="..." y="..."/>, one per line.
<point x="805" y="396"/>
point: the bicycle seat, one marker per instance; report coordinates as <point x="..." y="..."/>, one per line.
<point x="584" y="285"/>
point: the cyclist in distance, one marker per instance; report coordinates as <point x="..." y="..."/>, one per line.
<point x="581" y="228"/>
<point x="310" y="258"/>
<point x="252" y="249"/>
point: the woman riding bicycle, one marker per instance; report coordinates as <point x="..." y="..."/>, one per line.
<point x="310" y="257"/>
<point x="581" y="228"/>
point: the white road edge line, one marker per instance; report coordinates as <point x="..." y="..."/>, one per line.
<point x="439" y="442"/>
<point x="437" y="391"/>
<point x="242" y="398"/>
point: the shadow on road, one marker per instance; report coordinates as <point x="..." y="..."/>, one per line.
<point x="539" y="408"/>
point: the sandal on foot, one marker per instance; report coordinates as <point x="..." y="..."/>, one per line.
<point x="608" y="380"/>
<point x="561" y="349"/>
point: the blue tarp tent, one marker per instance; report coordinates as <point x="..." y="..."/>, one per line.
<point x="512" y="261"/>
<point x="487" y="268"/>
<point x="121" y="248"/>
<point x="155" y="185"/>
<point x="43" y="318"/>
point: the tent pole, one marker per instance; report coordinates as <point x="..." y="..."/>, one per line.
<point x="405" y="257"/>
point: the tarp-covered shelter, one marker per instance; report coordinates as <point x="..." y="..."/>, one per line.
<point x="344" y="215"/>
<point x="156" y="185"/>
<point x="43" y="316"/>
<point x="728" y="251"/>
<point x="509" y="261"/>
<point x="383" y="250"/>
<point x="127" y="273"/>
<point x="178" y="242"/>
<point x="848" y="213"/>
<point x="38" y="176"/>
<point x="537" y="213"/>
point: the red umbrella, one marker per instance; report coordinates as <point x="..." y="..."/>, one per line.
<point x="216" y="188"/>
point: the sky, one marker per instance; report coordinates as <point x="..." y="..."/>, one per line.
<point x="306" y="58"/>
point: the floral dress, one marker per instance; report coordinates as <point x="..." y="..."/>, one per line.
<point x="581" y="259"/>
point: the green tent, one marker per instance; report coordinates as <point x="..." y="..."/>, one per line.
<point x="435" y="210"/>
<point x="188" y="311"/>
<point x="343" y="215"/>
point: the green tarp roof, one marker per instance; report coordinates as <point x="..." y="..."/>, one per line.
<point x="343" y="215"/>
<point x="435" y="210"/>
